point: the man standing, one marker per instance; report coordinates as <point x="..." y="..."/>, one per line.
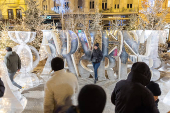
<point x="59" y="89"/>
<point x="13" y="64"/>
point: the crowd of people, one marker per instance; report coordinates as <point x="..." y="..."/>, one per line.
<point x="136" y="94"/>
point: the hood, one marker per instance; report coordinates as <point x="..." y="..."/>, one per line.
<point x="11" y="53"/>
<point x="140" y="73"/>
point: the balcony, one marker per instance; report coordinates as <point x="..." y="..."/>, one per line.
<point x="120" y="10"/>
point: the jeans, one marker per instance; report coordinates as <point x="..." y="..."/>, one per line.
<point x="11" y="76"/>
<point x="96" y="66"/>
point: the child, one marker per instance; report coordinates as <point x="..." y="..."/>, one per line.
<point x="156" y="91"/>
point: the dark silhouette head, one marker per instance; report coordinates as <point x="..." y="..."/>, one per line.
<point x="57" y="64"/>
<point x="140" y="72"/>
<point x="8" y="49"/>
<point x="91" y="99"/>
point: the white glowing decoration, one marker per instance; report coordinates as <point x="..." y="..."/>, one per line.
<point x="61" y="8"/>
<point x="48" y="49"/>
<point x="29" y="57"/>
<point x="12" y="101"/>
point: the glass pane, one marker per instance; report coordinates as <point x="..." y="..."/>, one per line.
<point x="93" y="4"/>
<point x="90" y="5"/>
<point x="130" y="5"/>
<point x="102" y="5"/>
<point x="118" y="6"/>
<point x="169" y="3"/>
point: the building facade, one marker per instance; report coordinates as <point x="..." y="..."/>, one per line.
<point x="110" y="9"/>
<point x="12" y="9"/>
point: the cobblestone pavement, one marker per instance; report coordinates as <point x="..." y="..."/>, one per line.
<point x="35" y="97"/>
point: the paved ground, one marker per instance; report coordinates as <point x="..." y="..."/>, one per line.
<point x="35" y="96"/>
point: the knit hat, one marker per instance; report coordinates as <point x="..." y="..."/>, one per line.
<point x="140" y="72"/>
<point x="97" y="44"/>
<point x="8" y="48"/>
<point x="154" y="88"/>
<point x="91" y="99"/>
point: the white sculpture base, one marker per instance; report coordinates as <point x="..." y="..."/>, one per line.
<point x="28" y="80"/>
<point x="12" y="101"/>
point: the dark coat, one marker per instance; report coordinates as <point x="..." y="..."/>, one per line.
<point x="12" y="61"/>
<point x="2" y="88"/>
<point x="131" y="95"/>
<point x="97" y="54"/>
<point x="72" y="109"/>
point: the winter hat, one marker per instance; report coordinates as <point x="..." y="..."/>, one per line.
<point x="154" y="88"/>
<point x="140" y="72"/>
<point x="97" y="44"/>
<point x="57" y="64"/>
<point x="8" y="48"/>
<point x="91" y="99"/>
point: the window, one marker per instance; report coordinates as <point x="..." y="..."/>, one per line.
<point x="168" y="3"/>
<point x="18" y="13"/>
<point x="10" y="14"/>
<point x="91" y="4"/>
<point x="117" y="6"/>
<point x="130" y="5"/>
<point x="104" y="4"/>
<point x="44" y="5"/>
<point x="66" y="5"/>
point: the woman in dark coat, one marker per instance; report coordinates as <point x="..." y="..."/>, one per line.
<point x="96" y="58"/>
<point x="131" y="95"/>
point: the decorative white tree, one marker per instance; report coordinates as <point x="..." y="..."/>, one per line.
<point x="153" y="15"/>
<point x="96" y="23"/>
<point x="116" y="24"/>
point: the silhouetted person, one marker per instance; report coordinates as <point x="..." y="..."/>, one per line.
<point x="156" y="91"/>
<point x="131" y="95"/>
<point x="13" y="63"/>
<point x="91" y="99"/>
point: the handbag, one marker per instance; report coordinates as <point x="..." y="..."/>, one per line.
<point x="94" y="59"/>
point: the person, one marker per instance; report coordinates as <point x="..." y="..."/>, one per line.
<point x="91" y="99"/>
<point x="13" y="63"/>
<point x="96" y="58"/>
<point x="2" y="88"/>
<point x="156" y="91"/>
<point x="59" y="89"/>
<point x="131" y="95"/>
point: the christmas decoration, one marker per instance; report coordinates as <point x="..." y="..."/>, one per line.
<point x="152" y="17"/>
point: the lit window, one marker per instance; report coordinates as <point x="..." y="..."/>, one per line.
<point x="10" y="14"/>
<point x="18" y="13"/>
<point x="66" y="5"/>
